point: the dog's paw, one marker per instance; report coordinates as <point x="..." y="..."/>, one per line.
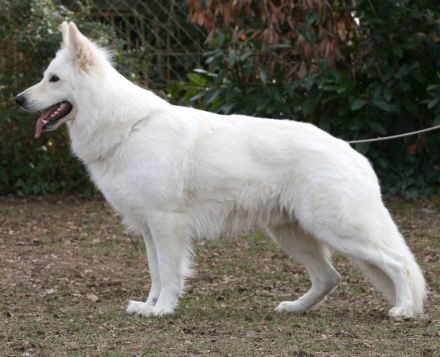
<point x="134" y="307"/>
<point x="144" y="309"/>
<point x="401" y="313"/>
<point x="291" y="307"/>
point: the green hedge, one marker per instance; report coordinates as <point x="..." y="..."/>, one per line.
<point x="394" y="88"/>
<point x="30" y="37"/>
<point x="389" y="85"/>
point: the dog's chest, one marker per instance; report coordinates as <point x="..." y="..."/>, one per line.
<point x="137" y="183"/>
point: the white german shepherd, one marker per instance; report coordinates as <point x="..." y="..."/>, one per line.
<point x="176" y="173"/>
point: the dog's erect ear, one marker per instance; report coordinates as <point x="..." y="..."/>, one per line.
<point x="79" y="47"/>
<point x="64" y="28"/>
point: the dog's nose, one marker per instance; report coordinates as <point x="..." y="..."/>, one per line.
<point x="20" y="100"/>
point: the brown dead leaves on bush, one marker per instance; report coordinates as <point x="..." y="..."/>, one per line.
<point x="306" y="31"/>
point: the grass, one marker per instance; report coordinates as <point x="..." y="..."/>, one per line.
<point x="56" y="251"/>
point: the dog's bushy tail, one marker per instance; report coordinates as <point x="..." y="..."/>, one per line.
<point x="379" y="279"/>
<point x="384" y="284"/>
<point x="419" y="285"/>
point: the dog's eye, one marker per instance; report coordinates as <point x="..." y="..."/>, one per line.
<point x="54" y="78"/>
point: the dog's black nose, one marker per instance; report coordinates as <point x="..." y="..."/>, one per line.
<point x="20" y="100"/>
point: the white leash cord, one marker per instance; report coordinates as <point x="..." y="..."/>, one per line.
<point x="383" y="138"/>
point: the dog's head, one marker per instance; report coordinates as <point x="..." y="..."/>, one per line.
<point x="55" y="95"/>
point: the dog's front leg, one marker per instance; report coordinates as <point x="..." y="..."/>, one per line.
<point x="153" y="266"/>
<point x="172" y="246"/>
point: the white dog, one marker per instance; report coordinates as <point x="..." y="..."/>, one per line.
<point x="176" y="173"/>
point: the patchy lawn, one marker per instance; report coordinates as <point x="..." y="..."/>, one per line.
<point x="67" y="270"/>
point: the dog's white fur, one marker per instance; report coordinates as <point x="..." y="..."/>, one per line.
<point x="176" y="173"/>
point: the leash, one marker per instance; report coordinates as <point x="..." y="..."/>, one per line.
<point x="383" y="138"/>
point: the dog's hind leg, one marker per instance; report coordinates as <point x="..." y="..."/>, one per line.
<point x="173" y="251"/>
<point x="359" y="225"/>
<point x="395" y="261"/>
<point x="316" y="259"/>
<point x="153" y="266"/>
<point x="372" y="238"/>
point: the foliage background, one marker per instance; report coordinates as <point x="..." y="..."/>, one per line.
<point x="357" y="71"/>
<point x="360" y="70"/>
<point x="29" y="38"/>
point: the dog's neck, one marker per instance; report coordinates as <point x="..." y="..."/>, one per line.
<point x="109" y="117"/>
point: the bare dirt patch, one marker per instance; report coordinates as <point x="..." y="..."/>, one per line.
<point x="67" y="269"/>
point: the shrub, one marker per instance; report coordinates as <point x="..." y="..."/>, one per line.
<point x="30" y="38"/>
<point x="379" y="78"/>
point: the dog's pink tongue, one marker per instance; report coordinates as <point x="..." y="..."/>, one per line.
<point x="40" y="122"/>
<point x="39" y="127"/>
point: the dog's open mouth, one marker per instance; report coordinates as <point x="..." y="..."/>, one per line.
<point x="52" y="117"/>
